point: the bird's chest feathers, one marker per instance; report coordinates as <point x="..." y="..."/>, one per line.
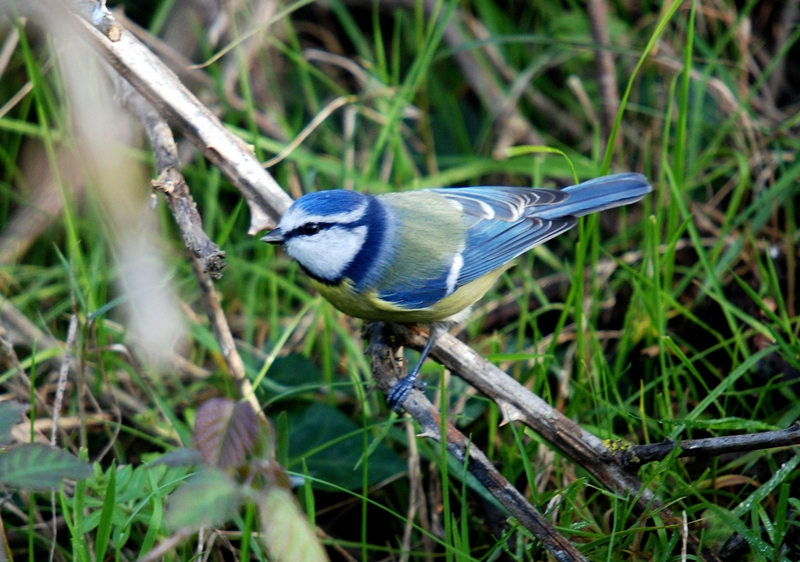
<point x="367" y="305"/>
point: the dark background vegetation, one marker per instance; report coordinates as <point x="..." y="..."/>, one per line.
<point x="680" y="292"/>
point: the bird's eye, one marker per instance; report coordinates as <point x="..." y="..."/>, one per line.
<point x="309" y="229"/>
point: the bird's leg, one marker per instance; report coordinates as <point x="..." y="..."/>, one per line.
<point x="375" y="331"/>
<point x="399" y="392"/>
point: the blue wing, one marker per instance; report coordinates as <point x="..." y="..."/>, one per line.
<point x="497" y="231"/>
<point x="598" y="194"/>
<point x="504" y="222"/>
<point x="499" y="225"/>
<point x="499" y="202"/>
<point x="422" y="293"/>
<point x="491" y="244"/>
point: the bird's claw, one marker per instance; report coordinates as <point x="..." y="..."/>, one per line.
<point x="400" y="391"/>
<point x="398" y="394"/>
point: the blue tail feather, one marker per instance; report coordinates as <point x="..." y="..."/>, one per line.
<point x="595" y="195"/>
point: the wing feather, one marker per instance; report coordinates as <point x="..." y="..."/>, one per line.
<point x="503" y="222"/>
<point x="492" y="244"/>
<point x="420" y="293"/>
<point x="499" y="225"/>
<point x="499" y="202"/>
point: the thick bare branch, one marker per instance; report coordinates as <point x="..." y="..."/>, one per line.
<point x="385" y="371"/>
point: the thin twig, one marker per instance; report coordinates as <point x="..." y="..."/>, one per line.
<point x="609" y="95"/>
<point x="684" y="536"/>
<point x="205" y="257"/>
<point x="223" y="335"/>
<point x="710" y="447"/>
<point x="170" y="181"/>
<point x="61" y="386"/>
<point x="324" y="113"/>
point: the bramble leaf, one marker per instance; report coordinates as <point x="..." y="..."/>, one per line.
<point x="225" y="432"/>
<point x="36" y="466"/>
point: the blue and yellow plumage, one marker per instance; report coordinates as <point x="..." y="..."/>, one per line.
<point x="428" y="255"/>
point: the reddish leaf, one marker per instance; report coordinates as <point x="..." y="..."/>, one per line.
<point x="225" y="432"/>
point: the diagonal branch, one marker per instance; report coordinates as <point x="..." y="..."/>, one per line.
<point x="520" y="404"/>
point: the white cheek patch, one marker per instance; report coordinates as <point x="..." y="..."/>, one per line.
<point x="327" y="253"/>
<point x="297" y="217"/>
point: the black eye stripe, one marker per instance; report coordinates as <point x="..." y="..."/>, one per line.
<point x="309" y="229"/>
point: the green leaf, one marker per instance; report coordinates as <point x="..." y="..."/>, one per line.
<point x="10" y="415"/>
<point x="107" y="513"/>
<point x="209" y="498"/>
<point x="295" y="370"/>
<point x="332" y="445"/>
<point x="184" y="456"/>
<point x="287" y="534"/>
<point x="35" y="466"/>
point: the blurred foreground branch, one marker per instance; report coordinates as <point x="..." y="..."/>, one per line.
<point x="205" y="256"/>
<point x="165" y="92"/>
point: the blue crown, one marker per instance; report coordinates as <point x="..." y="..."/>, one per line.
<point x="333" y="202"/>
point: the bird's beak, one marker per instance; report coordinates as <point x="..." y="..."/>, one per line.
<point x="274" y="237"/>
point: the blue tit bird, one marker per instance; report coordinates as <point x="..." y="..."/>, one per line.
<point x="427" y="256"/>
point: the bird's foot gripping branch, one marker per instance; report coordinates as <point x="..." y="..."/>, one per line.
<point x="381" y="343"/>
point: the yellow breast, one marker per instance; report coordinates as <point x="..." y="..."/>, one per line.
<point x="368" y="306"/>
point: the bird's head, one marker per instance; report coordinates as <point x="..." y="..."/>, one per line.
<point x="324" y="232"/>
